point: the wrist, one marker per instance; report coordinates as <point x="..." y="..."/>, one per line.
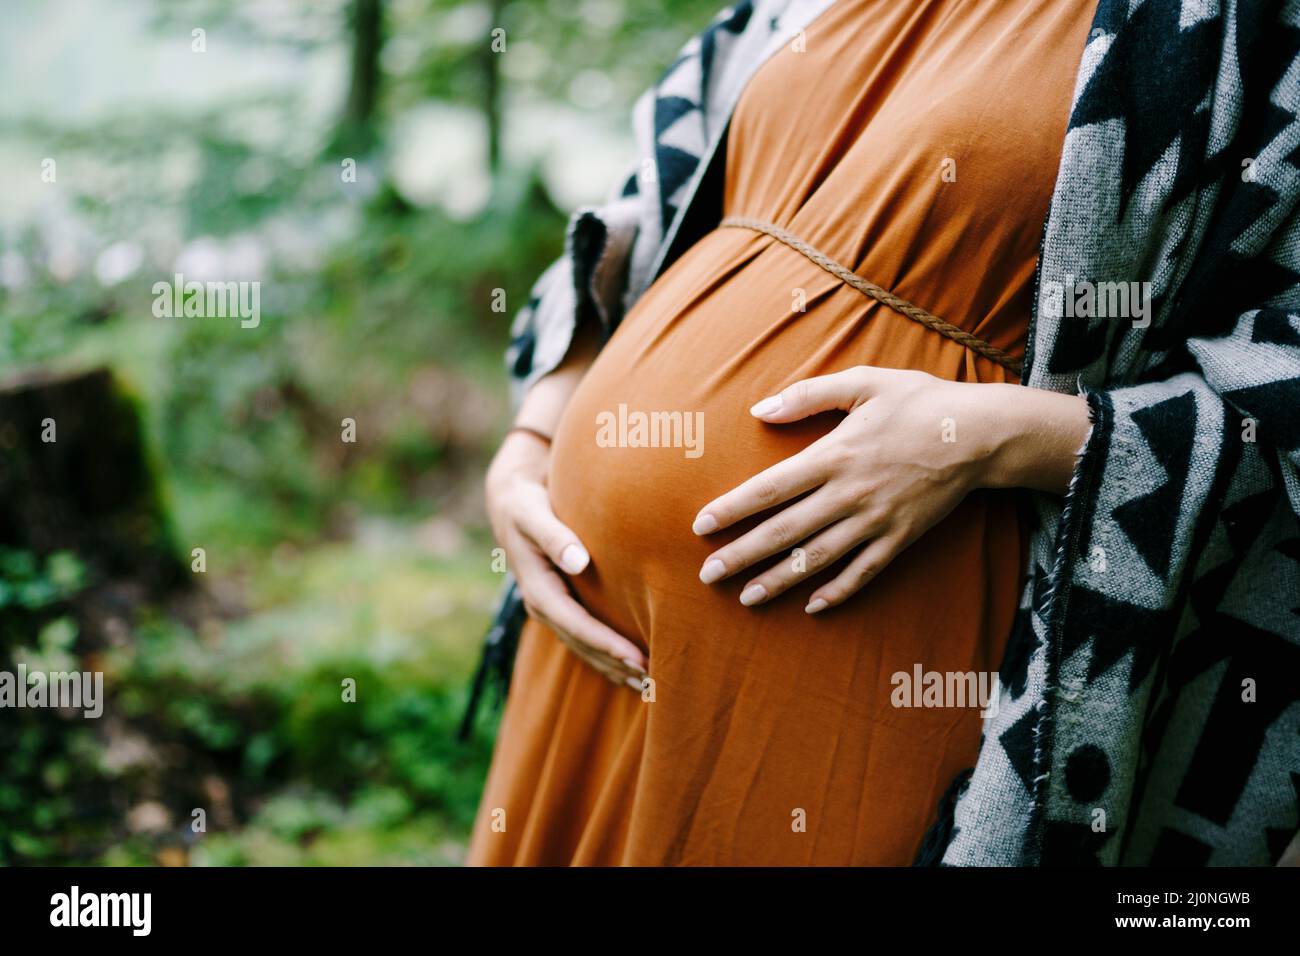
<point x="520" y="452"/>
<point x="1008" y="430"/>
<point x="1036" y="436"/>
<point x="537" y="434"/>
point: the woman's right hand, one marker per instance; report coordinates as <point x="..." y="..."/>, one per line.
<point x="538" y="546"/>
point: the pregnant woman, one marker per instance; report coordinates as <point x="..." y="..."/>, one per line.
<point x="728" y="611"/>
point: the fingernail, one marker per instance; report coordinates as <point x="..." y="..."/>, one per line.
<point x="713" y="570"/>
<point x="815" y="605"/>
<point x="574" y="558"/>
<point x="633" y="663"/>
<point x="753" y="594"/>
<point x="636" y="683"/>
<point x="766" y="407"/>
<point x="705" y="524"/>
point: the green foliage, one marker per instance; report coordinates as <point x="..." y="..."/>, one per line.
<point x="43" y="773"/>
<point x="257" y="705"/>
<point x="326" y="561"/>
<point x="30" y="584"/>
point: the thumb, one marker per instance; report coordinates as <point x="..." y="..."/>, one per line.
<point x="844" y="390"/>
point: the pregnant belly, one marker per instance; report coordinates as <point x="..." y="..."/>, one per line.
<point x="752" y="706"/>
<point x="660" y="426"/>
<point x="638" y="454"/>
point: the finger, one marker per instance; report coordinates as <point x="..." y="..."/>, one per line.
<point x="816" y="555"/>
<point x="778" y="533"/>
<point x="865" y="566"/>
<point x="613" y="669"/>
<point x="768" y="488"/>
<point x="599" y="658"/>
<point x="844" y="390"/>
<point x="551" y="601"/>
<point x="538" y="523"/>
<point x="596" y="661"/>
<point x="615" y="672"/>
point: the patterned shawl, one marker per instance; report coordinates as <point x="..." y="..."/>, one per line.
<point x="1150" y="708"/>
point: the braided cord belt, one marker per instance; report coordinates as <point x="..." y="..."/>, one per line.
<point x="871" y="290"/>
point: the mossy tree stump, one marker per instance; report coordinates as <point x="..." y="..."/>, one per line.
<point x="75" y="476"/>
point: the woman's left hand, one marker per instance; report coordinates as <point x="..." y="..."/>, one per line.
<point x="911" y="447"/>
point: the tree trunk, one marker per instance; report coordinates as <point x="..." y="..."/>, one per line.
<point x="492" y="90"/>
<point x="356" y="132"/>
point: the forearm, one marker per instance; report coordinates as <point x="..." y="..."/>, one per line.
<point x="1037" y="437"/>
<point x="545" y="401"/>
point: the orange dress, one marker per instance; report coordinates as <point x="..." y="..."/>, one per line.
<point x="915" y="141"/>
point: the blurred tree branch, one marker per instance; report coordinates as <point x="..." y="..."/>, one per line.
<point x="491" y="60"/>
<point x="356" y="133"/>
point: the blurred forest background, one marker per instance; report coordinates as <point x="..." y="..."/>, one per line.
<point x="324" y="560"/>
